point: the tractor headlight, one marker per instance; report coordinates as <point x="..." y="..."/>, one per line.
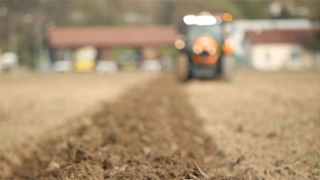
<point x="179" y="44"/>
<point x="197" y="49"/>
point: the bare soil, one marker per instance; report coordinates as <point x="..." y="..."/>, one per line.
<point x="265" y="125"/>
<point x="149" y="133"/>
<point x="35" y="107"/>
<point x="261" y="126"/>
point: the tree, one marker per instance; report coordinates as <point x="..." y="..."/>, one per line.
<point x="165" y="13"/>
<point x="316" y="41"/>
<point x="254" y="9"/>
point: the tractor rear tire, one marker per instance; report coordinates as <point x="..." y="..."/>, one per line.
<point x="228" y="66"/>
<point x="182" y="67"/>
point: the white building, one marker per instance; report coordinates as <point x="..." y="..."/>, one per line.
<point x="238" y="28"/>
<point x="276" y="49"/>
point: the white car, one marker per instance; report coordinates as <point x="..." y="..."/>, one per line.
<point x="9" y="61"/>
<point x="151" y="65"/>
<point x="62" y="66"/>
<point x="107" y="67"/>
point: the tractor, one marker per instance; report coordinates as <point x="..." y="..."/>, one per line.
<point x="205" y="51"/>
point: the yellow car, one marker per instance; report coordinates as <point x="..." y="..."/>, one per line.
<point x="84" y="66"/>
<point x="85" y="59"/>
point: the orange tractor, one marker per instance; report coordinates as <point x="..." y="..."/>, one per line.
<point x="204" y="49"/>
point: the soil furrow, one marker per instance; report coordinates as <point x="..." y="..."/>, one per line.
<point x="150" y="133"/>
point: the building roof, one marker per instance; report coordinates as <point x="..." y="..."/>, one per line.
<point x="111" y="36"/>
<point x="267" y="24"/>
<point x="303" y="37"/>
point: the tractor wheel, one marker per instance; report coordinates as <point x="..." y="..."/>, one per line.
<point x="228" y="68"/>
<point x="182" y="67"/>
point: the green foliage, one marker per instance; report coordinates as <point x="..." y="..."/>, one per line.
<point x="118" y="52"/>
<point x="290" y="170"/>
<point x="165" y="13"/>
<point x="252" y="9"/>
<point x="299" y="158"/>
<point x="293" y="151"/>
<point x="314" y="155"/>
<point x="316" y="42"/>
<point x="168" y="50"/>
<point x="3" y="138"/>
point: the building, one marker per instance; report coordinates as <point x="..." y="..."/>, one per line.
<point x="63" y="41"/>
<point x="238" y="28"/>
<point x="280" y="49"/>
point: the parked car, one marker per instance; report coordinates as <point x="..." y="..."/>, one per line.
<point x="9" y="61"/>
<point x="62" y="66"/>
<point x="151" y="65"/>
<point x="107" y="67"/>
<point x="85" y="59"/>
<point x="129" y="62"/>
